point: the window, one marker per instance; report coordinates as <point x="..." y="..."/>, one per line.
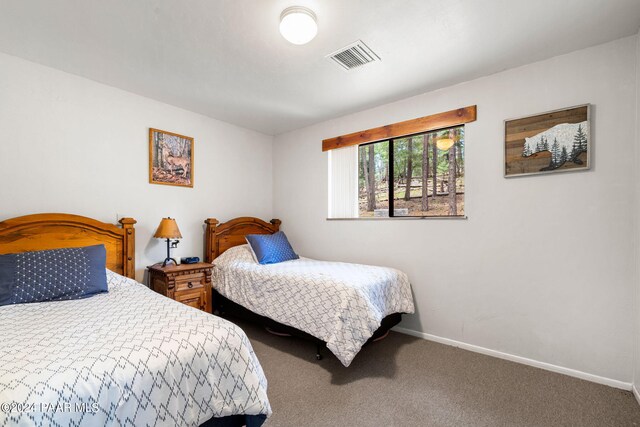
<point x="420" y="176"/>
<point x="414" y="168"/>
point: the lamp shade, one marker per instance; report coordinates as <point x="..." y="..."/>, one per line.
<point x="298" y="25"/>
<point x="168" y="229"/>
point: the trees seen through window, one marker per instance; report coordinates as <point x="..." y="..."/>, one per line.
<point x="420" y="175"/>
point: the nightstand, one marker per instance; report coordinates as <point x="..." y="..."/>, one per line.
<point x="189" y="284"/>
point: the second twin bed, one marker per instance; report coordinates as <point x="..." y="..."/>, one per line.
<point x="342" y="305"/>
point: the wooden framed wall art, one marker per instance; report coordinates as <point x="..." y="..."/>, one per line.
<point x="556" y="141"/>
<point x="170" y="158"/>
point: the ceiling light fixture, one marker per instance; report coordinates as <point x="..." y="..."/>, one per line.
<point x="298" y="25"/>
<point x="444" y="143"/>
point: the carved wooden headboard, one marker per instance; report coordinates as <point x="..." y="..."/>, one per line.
<point x="55" y="230"/>
<point x="222" y="236"/>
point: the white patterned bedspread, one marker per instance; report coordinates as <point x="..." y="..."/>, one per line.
<point x="129" y="357"/>
<point x="342" y="304"/>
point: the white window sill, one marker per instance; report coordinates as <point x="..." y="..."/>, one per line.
<point x="401" y="218"/>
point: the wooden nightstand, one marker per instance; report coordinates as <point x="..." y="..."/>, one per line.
<point x="189" y="284"/>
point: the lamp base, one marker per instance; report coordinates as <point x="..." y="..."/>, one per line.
<point x="168" y="260"/>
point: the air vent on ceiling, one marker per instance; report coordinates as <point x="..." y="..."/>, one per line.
<point x="354" y="55"/>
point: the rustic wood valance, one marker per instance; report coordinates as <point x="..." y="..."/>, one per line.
<point x="408" y="127"/>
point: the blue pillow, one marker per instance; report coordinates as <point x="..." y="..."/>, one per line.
<point x="271" y="248"/>
<point x="52" y="275"/>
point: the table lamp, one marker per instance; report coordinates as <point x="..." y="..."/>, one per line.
<point x="168" y="229"/>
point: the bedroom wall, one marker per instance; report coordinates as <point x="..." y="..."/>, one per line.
<point x="73" y="145"/>
<point x="636" y="373"/>
<point x="542" y="271"/>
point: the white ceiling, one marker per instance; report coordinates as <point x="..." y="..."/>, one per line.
<point x="226" y="59"/>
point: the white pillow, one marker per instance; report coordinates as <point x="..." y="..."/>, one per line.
<point x="236" y="254"/>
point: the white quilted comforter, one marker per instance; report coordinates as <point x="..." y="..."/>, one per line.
<point x="129" y="357"/>
<point x="339" y="303"/>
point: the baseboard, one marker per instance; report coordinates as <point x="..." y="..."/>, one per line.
<point x="525" y="361"/>
<point x="636" y="393"/>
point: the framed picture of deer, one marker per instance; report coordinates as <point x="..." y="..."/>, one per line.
<point x="170" y="158"/>
<point x="555" y="141"/>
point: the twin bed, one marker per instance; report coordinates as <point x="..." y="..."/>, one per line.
<point x="338" y="305"/>
<point x="130" y="356"/>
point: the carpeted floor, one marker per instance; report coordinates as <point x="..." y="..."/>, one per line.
<point x="406" y="381"/>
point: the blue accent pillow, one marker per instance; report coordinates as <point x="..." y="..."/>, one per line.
<point x="53" y="275"/>
<point x="271" y="248"/>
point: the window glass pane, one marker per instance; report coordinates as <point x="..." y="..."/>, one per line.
<point x="427" y="175"/>
<point x="373" y="179"/>
<point x="423" y="168"/>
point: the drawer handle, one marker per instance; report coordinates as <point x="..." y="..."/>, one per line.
<point x="190" y="285"/>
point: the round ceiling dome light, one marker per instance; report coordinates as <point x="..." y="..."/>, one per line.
<point x="444" y="143"/>
<point x="298" y="25"/>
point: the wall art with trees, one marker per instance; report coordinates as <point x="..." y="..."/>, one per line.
<point x="170" y="158"/>
<point x="556" y="141"/>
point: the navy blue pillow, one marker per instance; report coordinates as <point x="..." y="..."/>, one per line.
<point x="271" y="248"/>
<point x="53" y="275"/>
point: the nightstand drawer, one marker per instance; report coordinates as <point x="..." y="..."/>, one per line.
<point x="195" y="299"/>
<point x="190" y="281"/>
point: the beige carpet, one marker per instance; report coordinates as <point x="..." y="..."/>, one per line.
<point x="406" y="381"/>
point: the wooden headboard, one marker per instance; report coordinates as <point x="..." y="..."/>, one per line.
<point x="222" y="236"/>
<point x="54" y="230"/>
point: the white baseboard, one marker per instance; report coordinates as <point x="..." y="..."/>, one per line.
<point x="636" y="393"/>
<point x="525" y="361"/>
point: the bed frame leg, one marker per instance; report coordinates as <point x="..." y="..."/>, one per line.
<point x="318" y="355"/>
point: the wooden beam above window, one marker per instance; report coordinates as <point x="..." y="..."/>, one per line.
<point x="408" y="127"/>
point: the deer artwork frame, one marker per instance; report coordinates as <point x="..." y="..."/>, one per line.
<point x="170" y="158"/>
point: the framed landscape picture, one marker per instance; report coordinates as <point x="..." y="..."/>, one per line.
<point x="556" y="141"/>
<point x="170" y="158"/>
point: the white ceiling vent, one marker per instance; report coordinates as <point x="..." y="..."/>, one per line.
<point x="354" y="55"/>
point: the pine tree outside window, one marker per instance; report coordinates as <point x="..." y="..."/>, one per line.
<point x="414" y="168"/>
<point x="412" y="177"/>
